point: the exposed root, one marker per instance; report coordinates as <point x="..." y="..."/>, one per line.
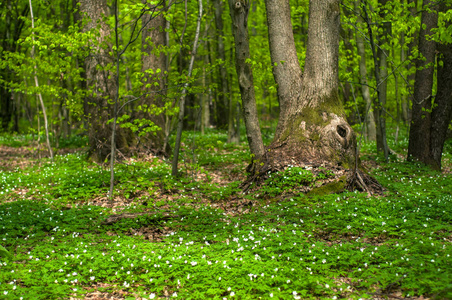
<point x="359" y="180"/>
<point x="258" y="171"/>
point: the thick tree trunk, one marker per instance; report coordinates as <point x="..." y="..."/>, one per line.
<point x="315" y="130"/>
<point x="154" y="82"/>
<point x="286" y="68"/>
<point x="239" y="13"/>
<point x="100" y="80"/>
<point x="442" y="112"/>
<point x="420" y="135"/>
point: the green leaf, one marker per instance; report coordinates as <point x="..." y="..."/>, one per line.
<point x="4" y="253"/>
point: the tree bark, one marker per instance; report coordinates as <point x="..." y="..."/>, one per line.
<point x="239" y="13"/>
<point x="99" y="80"/>
<point x="378" y="104"/>
<point x="382" y="83"/>
<point x="404" y="99"/>
<point x="411" y="67"/>
<point x="442" y="112"/>
<point x="154" y="66"/>
<point x="180" y="120"/>
<point x="222" y="105"/>
<point x="313" y="130"/>
<point x="420" y="135"/>
<point x="286" y="67"/>
<point x="365" y="91"/>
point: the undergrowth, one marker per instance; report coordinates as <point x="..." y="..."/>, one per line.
<point x="300" y="247"/>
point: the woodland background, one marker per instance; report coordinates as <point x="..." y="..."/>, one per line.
<point x="160" y="221"/>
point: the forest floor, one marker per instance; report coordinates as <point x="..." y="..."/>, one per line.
<point x="199" y="237"/>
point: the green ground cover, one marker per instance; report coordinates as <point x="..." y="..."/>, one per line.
<point x="207" y="241"/>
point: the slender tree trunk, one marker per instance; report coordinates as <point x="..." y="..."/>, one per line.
<point x="365" y="91"/>
<point x="41" y="101"/>
<point x="115" y="107"/>
<point x="382" y="55"/>
<point x="420" y="135"/>
<point x="412" y="48"/>
<point x="206" y="97"/>
<point x="404" y="99"/>
<point x="239" y="13"/>
<point x="203" y="99"/>
<point x="223" y="99"/>
<point x="180" y="123"/>
<point x="378" y="105"/>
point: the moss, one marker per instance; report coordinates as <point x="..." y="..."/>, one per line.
<point x="330" y="188"/>
<point x="315" y="136"/>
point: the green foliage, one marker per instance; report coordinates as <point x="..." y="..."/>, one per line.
<point x="340" y="245"/>
<point x="292" y="179"/>
<point x="4" y="253"/>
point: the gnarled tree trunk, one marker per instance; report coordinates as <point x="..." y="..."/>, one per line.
<point x="313" y="129"/>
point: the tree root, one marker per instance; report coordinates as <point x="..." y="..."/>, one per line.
<point x="359" y="180"/>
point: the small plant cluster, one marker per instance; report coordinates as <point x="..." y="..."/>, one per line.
<point x="56" y="244"/>
<point x="293" y="178"/>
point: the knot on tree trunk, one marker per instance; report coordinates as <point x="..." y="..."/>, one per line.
<point x="338" y="141"/>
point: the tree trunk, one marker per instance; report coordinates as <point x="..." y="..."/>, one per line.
<point x="222" y="105"/>
<point x="41" y="101"/>
<point x="438" y="113"/>
<point x="99" y="80"/>
<point x="314" y="129"/>
<point x="420" y="135"/>
<point x="381" y="94"/>
<point x="180" y="119"/>
<point x="239" y="13"/>
<point x="404" y="99"/>
<point x="286" y="68"/>
<point x="412" y="48"/>
<point x="442" y="112"/>
<point x="369" y="116"/>
<point x="154" y="67"/>
<point x="382" y="84"/>
<point x="11" y="31"/>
